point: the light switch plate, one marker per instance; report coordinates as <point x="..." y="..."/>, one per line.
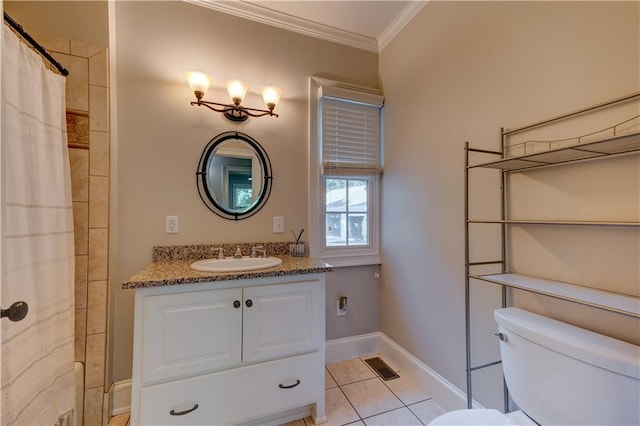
<point x="278" y="224"/>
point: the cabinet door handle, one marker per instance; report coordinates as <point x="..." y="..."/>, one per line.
<point x="281" y="386"/>
<point x="249" y="303"/>
<point x="182" y="413"/>
<point x="236" y="304"/>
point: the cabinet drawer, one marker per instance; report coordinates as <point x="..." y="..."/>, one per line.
<point x="236" y="395"/>
<point x="189" y="333"/>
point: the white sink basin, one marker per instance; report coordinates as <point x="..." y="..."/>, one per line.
<point x="235" y="265"/>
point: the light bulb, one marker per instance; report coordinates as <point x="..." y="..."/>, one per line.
<point x="237" y="90"/>
<point x="199" y="83"/>
<point x="271" y="96"/>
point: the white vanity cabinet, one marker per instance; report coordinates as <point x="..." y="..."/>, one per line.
<point x="228" y="352"/>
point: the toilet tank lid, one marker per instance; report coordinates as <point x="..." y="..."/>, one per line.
<point x="587" y="346"/>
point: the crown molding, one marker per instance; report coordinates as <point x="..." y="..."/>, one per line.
<point x="274" y="18"/>
<point x="400" y="21"/>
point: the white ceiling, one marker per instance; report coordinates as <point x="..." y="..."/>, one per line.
<point x="364" y="24"/>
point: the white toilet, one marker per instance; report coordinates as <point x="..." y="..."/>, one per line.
<point x="559" y="374"/>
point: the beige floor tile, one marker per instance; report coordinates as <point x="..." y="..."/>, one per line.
<point x="406" y="390"/>
<point x="119" y="420"/>
<point x="371" y="397"/>
<point x="400" y="417"/>
<point x="328" y="380"/>
<point x="299" y="422"/>
<point x="309" y="422"/>
<point x="426" y="411"/>
<point x="350" y="371"/>
<point x="338" y="409"/>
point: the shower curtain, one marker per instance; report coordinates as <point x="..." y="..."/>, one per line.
<point x="37" y="381"/>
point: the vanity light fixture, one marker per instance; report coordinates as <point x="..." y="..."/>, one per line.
<point x="237" y="89"/>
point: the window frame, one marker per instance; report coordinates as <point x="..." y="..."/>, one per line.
<point x="344" y="255"/>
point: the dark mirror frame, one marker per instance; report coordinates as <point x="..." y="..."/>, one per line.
<point x="206" y="193"/>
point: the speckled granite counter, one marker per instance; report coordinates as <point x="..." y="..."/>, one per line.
<point x="171" y="266"/>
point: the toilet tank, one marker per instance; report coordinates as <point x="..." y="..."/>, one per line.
<point x="559" y="374"/>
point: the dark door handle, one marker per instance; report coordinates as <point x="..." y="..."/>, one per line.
<point x="16" y="312"/>
<point x="249" y="303"/>
<point x="236" y="304"/>
<point x="182" y="413"/>
<point x="281" y="386"/>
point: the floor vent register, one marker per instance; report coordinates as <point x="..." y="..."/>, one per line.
<point x="384" y="371"/>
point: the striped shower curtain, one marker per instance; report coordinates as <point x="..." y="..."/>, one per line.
<point x="37" y="381"/>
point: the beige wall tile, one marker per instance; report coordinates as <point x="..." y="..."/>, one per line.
<point x="97" y="307"/>
<point x="52" y="43"/>
<point x="98" y="254"/>
<point x="93" y="406"/>
<point x="98" y="202"/>
<point x="79" y="161"/>
<point x="77" y="127"/>
<point x="80" y="334"/>
<point x="94" y="360"/>
<point x="98" y="69"/>
<point x="81" y="227"/>
<point x="84" y="50"/>
<point x="77" y="87"/>
<point x="81" y="281"/>
<point x="99" y="154"/>
<point x="99" y="108"/>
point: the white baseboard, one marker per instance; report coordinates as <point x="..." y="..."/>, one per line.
<point x="432" y="383"/>
<point x="121" y="397"/>
<point x="352" y="347"/>
<point x="449" y="396"/>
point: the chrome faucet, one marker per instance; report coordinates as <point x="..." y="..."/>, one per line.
<point x="238" y="254"/>
<point x="256" y="249"/>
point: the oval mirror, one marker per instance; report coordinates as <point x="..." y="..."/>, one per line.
<point x="234" y="176"/>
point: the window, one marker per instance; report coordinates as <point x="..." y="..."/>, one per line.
<point x="346" y="212"/>
<point x="345" y="173"/>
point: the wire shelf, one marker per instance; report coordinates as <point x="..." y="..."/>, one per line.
<point x="613" y="145"/>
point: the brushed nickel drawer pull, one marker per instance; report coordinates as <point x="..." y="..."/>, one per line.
<point x="281" y="386"/>
<point x="182" y="413"/>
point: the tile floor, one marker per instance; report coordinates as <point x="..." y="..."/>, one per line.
<point x="356" y="396"/>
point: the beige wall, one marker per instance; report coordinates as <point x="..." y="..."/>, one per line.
<point x="84" y="21"/>
<point x="160" y="138"/>
<point x="458" y="72"/>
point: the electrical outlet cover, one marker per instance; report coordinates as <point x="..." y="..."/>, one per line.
<point x="171" y="225"/>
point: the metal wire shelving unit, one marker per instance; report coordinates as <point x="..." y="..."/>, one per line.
<point x="602" y="144"/>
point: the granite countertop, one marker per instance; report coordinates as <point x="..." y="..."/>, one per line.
<point x="174" y="268"/>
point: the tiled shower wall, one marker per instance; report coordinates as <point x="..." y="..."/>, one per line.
<point x="87" y="102"/>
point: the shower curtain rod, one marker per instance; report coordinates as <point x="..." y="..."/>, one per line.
<point x="20" y="30"/>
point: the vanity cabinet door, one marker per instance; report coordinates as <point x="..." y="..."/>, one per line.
<point x="193" y="332"/>
<point x="282" y="320"/>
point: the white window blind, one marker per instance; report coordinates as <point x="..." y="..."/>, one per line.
<point x="350" y="137"/>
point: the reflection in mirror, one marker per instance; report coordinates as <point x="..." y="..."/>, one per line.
<point x="234" y="175"/>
